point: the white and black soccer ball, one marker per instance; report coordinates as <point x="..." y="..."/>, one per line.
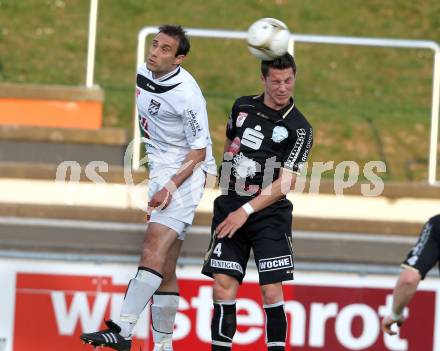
<point x="268" y="38"/>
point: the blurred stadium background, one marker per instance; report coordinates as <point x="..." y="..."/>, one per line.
<point x="67" y="249"/>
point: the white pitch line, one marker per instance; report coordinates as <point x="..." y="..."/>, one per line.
<point x="69" y="223"/>
<point x="376" y="238"/>
<point x="198" y="230"/>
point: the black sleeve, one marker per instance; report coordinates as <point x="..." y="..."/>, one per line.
<point x="298" y="149"/>
<point x="232" y="120"/>
<point x="426" y="252"/>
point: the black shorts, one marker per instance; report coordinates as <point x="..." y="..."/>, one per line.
<point x="426" y="252"/>
<point x="268" y="232"/>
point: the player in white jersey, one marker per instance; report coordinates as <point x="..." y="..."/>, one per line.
<point x="174" y="126"/>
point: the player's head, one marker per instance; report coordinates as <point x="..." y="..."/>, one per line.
<point x="168" y="49"/>
<point x="283" y="62"/>
<point x="179" y="34"/>
<point x="278" y="77"/>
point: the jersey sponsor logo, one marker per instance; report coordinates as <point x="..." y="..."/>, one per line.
<point x="275" y="263"/>
<point x="243" y="166"/>
<point x="279" y="133"/>
<point x="300" y="134"/>
<point x="308" y="147"/>
<point x="235" y="266"/>
<point x="252" y="137"/>
<point x="241" y="118"/>
<point x="421" y="243"/>
<point x="153" y="109"/>
<point x="192" y="120"/>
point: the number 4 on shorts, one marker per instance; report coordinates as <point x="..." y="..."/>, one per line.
<point x="218" y="249"/>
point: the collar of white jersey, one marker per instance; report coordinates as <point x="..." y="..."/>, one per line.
<point x="167" y="76"/>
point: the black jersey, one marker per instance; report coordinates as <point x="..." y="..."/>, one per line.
<point x="263" y="140"/>
<point x="426" y="252"/>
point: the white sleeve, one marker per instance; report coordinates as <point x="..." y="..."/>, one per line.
<point x="195" y="123"/>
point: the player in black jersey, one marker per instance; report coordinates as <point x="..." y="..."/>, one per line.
<point x="421" y="258"/>
<point x="268" y="141"/>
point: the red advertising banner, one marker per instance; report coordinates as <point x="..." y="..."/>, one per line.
<point x="52" y="310"/>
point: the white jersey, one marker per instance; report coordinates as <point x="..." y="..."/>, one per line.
<point x="172" y="118"/>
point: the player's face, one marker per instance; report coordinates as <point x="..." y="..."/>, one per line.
<point x="278" y="87"/>
<point x="162" y="55"/>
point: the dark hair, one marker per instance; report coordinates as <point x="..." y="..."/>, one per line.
<point x="178" y="33"/>
<point x="282" y="62"/>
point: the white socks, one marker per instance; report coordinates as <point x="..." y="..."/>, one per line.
<point x="140" y="290"/>
<point x="163" y="315"/>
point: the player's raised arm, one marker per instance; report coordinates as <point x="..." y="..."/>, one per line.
<point x="424" y="255"/>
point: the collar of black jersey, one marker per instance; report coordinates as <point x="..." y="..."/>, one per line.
<point x="282" y="112"/>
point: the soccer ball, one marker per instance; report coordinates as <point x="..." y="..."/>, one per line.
<point x="268" y="38"/>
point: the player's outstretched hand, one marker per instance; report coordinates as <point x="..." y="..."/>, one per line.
<point x="388" y="322"/>
<point x="232" y="223"/>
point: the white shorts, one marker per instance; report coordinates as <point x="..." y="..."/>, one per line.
<point x="179" y="214"/>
